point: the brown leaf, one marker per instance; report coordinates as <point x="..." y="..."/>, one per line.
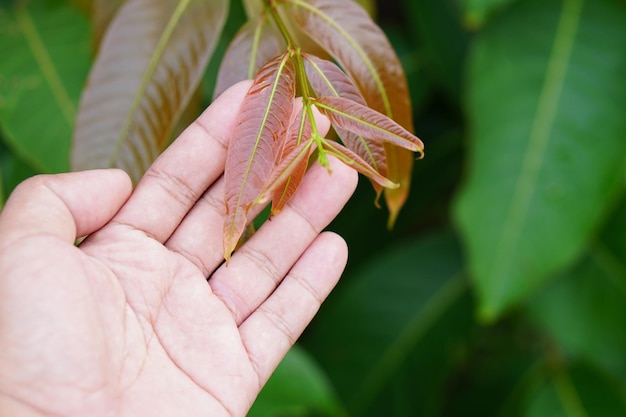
<point x="362" y="120"/>
<point x="262" y="126"/>
<point x="255" y="44"/>
<point x="352" y="38"/>
<point x="355" y="161"/>
<point x="399" y="168"/>
<point x="283" y="171"/>
<point x="327" y="79"/>
<point x="297" y="164"/>
<point x="150" y="62"/>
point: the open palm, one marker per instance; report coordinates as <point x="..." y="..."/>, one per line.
<point x="126" y="323"/>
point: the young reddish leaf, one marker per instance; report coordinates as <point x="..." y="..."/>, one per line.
<point x="261" y="128"/>
<point x="149" y="64"/>
<point x="284" y="170"/>
<point x="256" y="43"/>
<point x="350" y="158"/>
<point x="362" y="120"/>
<point x="299" y="132"/>
<point x="352" y="38"/>
<point x="327" y="79"/>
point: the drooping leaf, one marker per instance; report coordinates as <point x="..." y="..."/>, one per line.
<point x="102" y="12"/>
<point x="261" y="128"/>
<point x="544" y="164"/>
<point x="45" y="56"/>
<point x="386" y="324"/>
<point x="362" y="120"/>
<point x="256" y="43"/>
<point x="149" y="64"/>
<point x="299" y="133"/>
<point x="355" y="161"/>
<point x="297" y="387"/>
<point x="327" y="79"/>
<point x="352" y="38"/>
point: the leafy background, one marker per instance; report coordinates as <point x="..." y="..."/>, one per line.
<point x="502" y="289"/>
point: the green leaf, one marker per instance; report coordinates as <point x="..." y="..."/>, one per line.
<point x="580" y="391"/>
<point x="584" y="310"/>
<point x="440" y="44"/>
<point x="385" y="316"/>
<point x="149" y="64"/>
<point x="45" y="58"/>
<point x="477" y="11"/>
<point x="298" y="387"/>
<point x="13" y="170"/>
<point x="547" y="151"/>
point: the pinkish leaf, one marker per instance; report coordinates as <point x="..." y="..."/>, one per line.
<point x="284" y="170"/>
<point x="256" y="43"/>
<point x="362" y="120"/>
<point x="299" y="132"/>
<point x="260" y="131"/>
<point x="149" y="64"/>
<point x="355" y="161"/>
<point x="352" y="38"/>
<point x="327" y="79"/>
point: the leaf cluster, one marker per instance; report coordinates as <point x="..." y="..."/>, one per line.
<point x="128" y="112"/>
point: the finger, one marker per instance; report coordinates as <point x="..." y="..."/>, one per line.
<point x="198" y="237"/>
<point x="176" y="180"/>
<point x="258" y="266"/>
<point x="276" y="325"/>
<point x="66" y="206"/>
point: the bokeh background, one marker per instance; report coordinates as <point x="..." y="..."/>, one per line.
<point x="501" y="290"/>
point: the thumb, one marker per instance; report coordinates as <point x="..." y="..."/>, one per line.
<point x="66" y="206"/>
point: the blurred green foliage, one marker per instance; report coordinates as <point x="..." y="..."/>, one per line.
<point x="502" y="289"/>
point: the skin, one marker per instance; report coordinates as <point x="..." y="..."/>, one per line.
<point x="126" y="323"/>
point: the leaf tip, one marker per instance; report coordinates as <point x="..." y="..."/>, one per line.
<point x="393" y="216"/>
<point x="227" y="254"/>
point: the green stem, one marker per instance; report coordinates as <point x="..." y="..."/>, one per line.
<point x="281" y="25"/>
<point x="302" y="80"/>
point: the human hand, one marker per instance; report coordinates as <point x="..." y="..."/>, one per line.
<point x="126" y="323"/>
